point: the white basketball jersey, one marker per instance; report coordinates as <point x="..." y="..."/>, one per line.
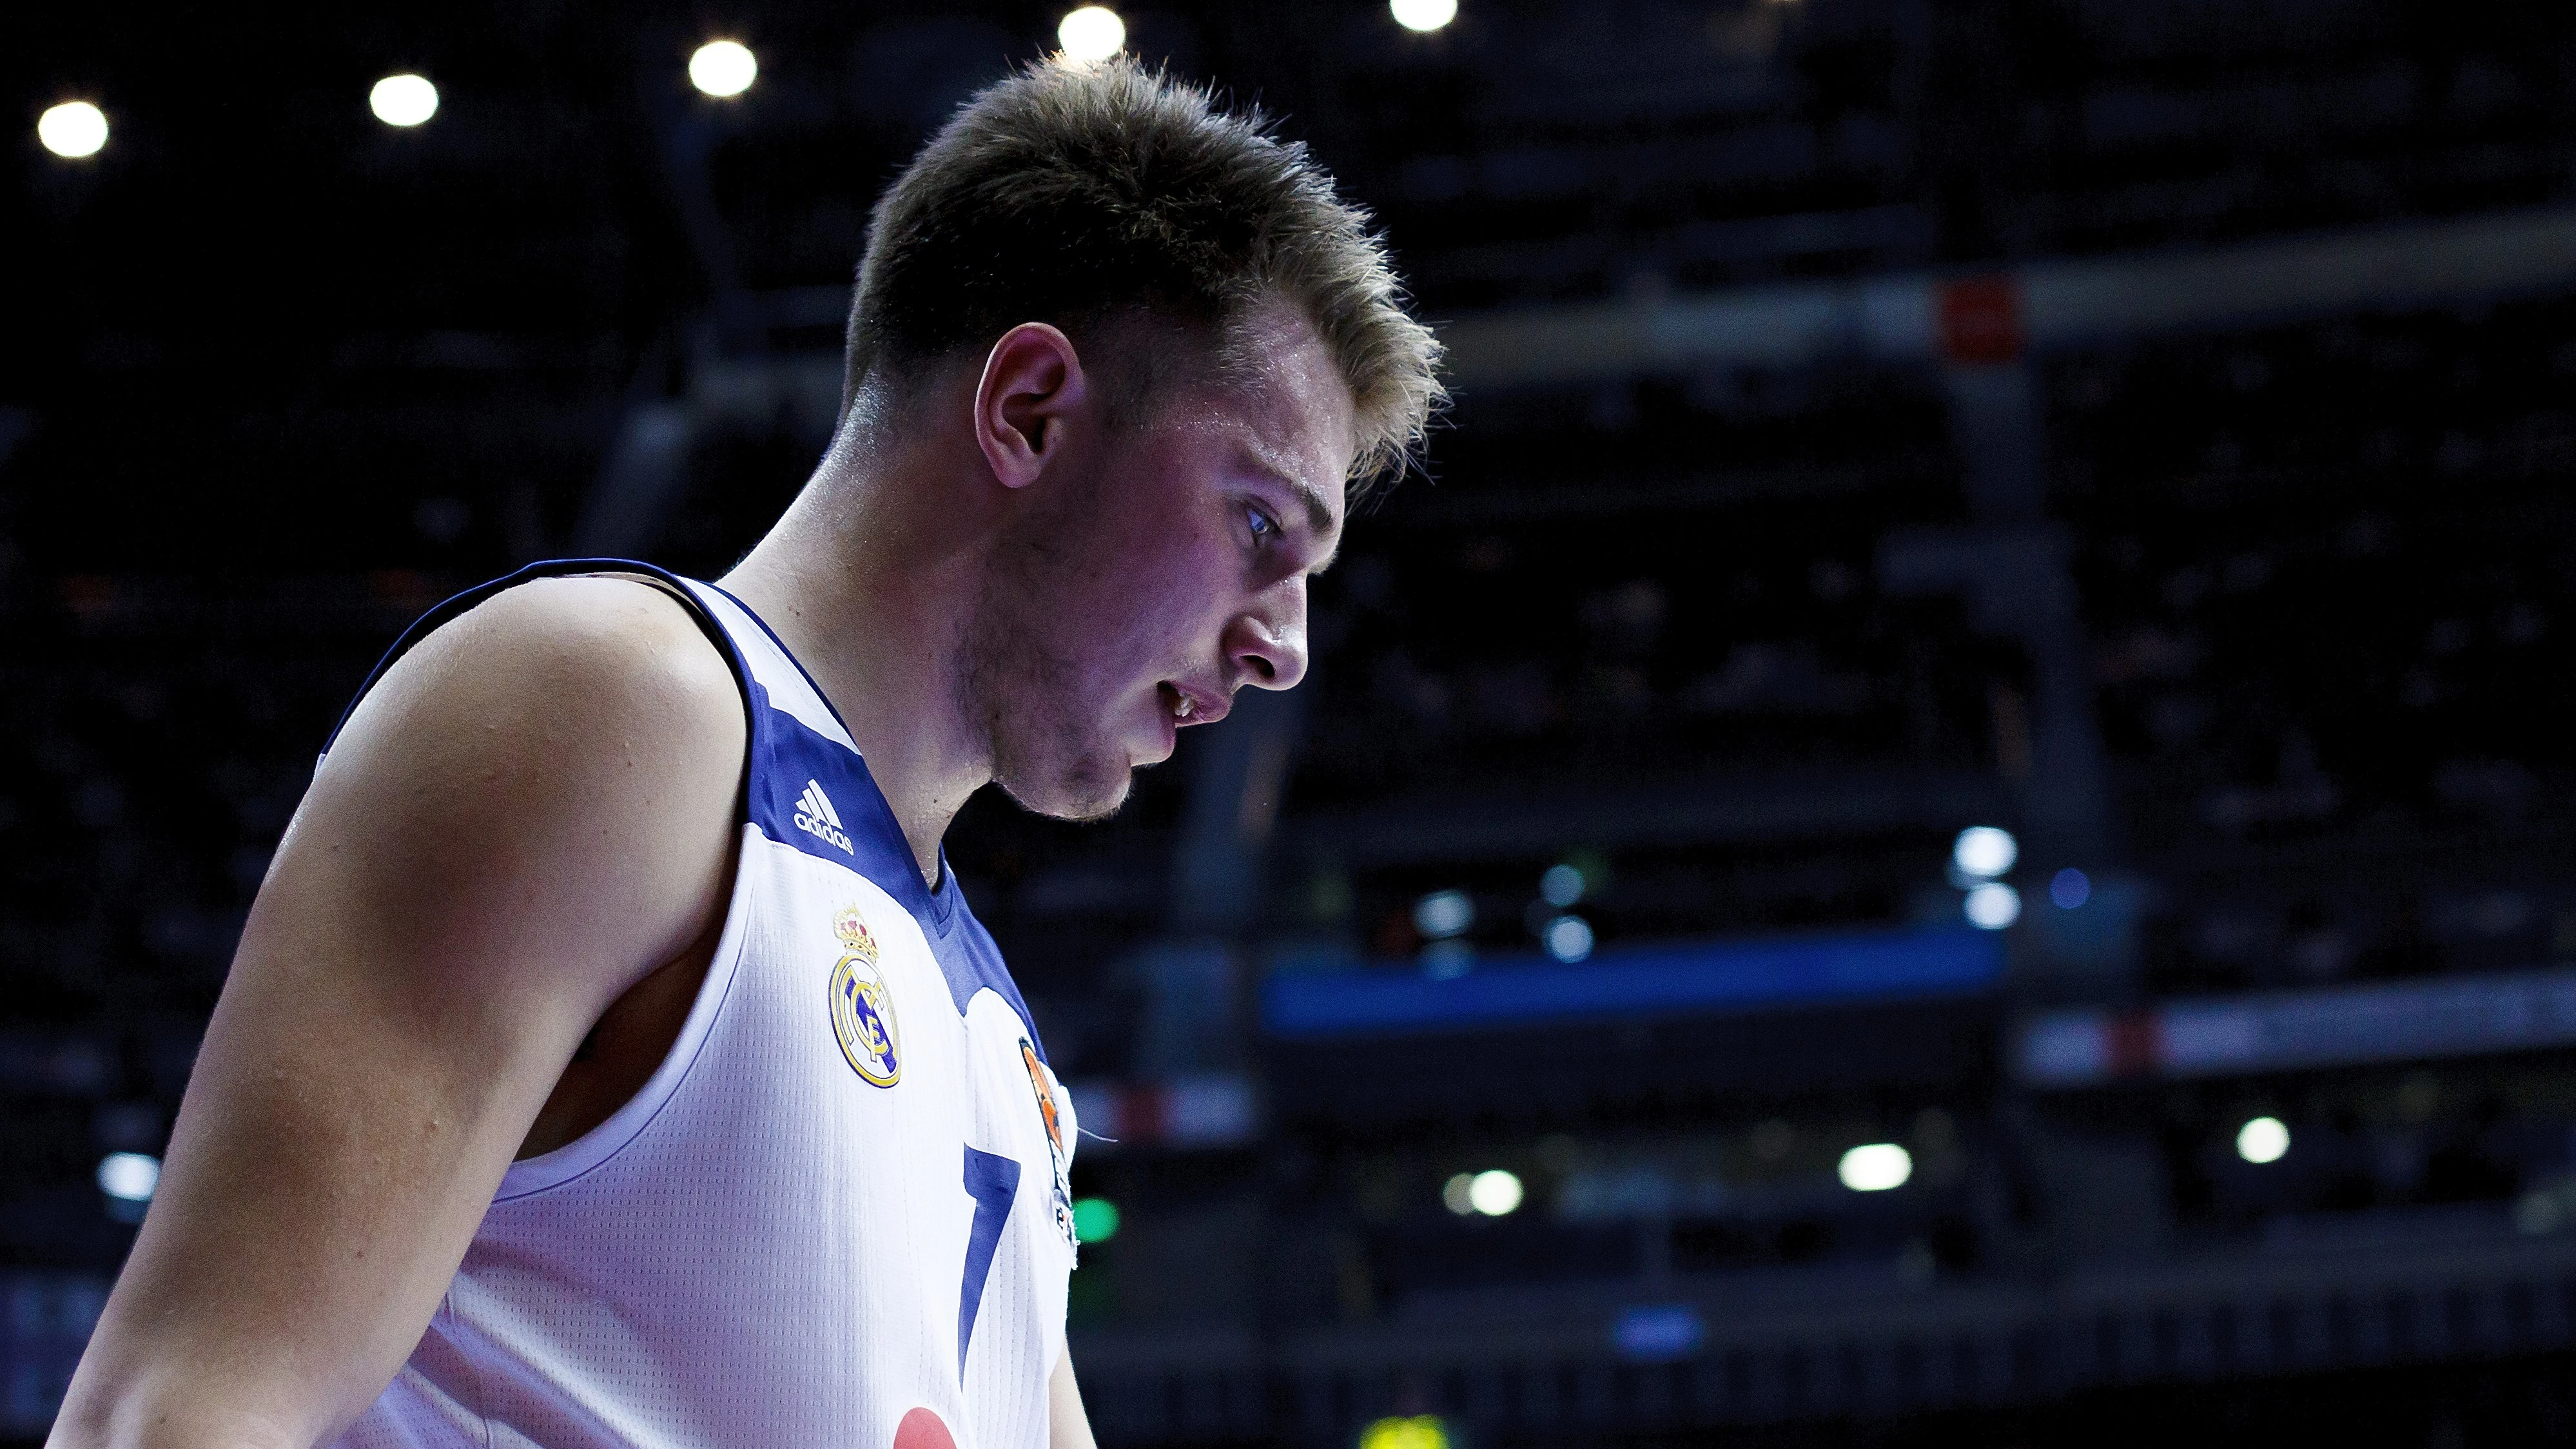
<point x="837" y="1215"/>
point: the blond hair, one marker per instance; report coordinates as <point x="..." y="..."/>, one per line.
<point x="1082" y="193"/>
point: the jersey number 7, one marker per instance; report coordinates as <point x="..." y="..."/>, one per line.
<point x="993" y="1181"/>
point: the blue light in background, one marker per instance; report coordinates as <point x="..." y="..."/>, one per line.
<point x="1443" y="914"/>
<point x="1658" y="1333"/>
<point x="1569" y="938"/>
<point x="1639" y="980"/>
<point x="1992" y="906"/>
<point x="1561" y="886"/>
<point x="1983" y="852"/>
<point x="129" y="1175"/>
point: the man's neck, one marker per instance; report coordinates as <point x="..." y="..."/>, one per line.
<point x="875" y="612"/>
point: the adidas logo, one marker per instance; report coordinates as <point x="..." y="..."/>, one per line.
<point x="816" y="817"/>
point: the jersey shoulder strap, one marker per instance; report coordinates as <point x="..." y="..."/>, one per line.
<point x="447" y="612"/>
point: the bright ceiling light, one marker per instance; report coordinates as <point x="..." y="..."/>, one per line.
<point x="1992" y="906"/>
<point x="1561" y="886"/>
<point x="1494" y="1193"/>
<point x="1875" y="1167"/>
<point x="1443" y="914"/>
<point x="1984" y="851"/>
<point x="1093" y="32"/>
<point x="403" y="100"/>
<point x="1568" y="938"/>
<point x="1455" y="1194"/>
<point x="1423" y="15"/>
<point x="73" y="129"/>
<point x="129" y="1176"/>
<point x="723" y="68"/>
<point x="2263" y="1140"/>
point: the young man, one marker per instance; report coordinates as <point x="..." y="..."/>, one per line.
<point x="609" y="1059"/>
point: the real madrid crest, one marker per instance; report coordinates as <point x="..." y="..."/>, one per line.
<point x="862" y="1007"/>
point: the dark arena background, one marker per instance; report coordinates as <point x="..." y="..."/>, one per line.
<point x="1943" y="818"/>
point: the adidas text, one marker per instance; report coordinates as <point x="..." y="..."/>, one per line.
<point x="816" y="817"/>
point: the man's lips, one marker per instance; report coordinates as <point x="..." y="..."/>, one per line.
<point x="1193" y="704"/>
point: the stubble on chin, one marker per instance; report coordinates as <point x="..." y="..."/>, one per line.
<point x="1056" y="766"/>
<point x="1046" y="754"/>
<point x="1087" y="792"/>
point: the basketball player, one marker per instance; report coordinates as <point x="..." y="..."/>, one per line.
<point x="610" y="1059"/>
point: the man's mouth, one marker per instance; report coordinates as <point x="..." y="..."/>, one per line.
<point x="1190" y="706"/>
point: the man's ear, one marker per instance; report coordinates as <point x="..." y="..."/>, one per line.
<point x="1032" y="383"/>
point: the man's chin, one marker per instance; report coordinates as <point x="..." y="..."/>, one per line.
<point x="1093" y="790"/>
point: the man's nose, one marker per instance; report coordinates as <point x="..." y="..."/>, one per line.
<point x="1267" y="647"/>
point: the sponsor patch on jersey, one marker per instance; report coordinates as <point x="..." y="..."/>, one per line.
<point x="1053" y="1117"/>
<point x="862" y="1007"/>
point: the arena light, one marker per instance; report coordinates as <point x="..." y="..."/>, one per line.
<point x="403" y="99"/>
<point x="2262" y="1140"/>
<point x="2070" y="888"/>
<point x="1093" y="32"/>
<point x="1401" y="1431"/>
<point x="1443" y="914"/>
<point x="723" y="68"/>
<point x="1423" y="16"/>
<point x="1561" y="886"/>
<point x="1992" y="906"/>
<point x="1495" y="1193"/>
<point x="72" y="130"/>
<point x="1984" y="851"/>
<point x="1458" y="1194"/>
<point x="1875" y="1167"/>
<point x="1568" y="938"/>
<point x="1658" y="1332"/>
<point x="1095" y="1220"/>
<point x="129" y="1176"/>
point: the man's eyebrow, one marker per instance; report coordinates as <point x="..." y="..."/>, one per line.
<point x="1319" y="510"/>
<point x="1319" y="514"/>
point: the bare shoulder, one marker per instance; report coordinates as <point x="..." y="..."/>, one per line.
<point x="559" y="669"/>
<point x="566" y="748"/>
<point x="586" y="643"/>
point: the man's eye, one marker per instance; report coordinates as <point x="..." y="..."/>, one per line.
<point x="1262" y="527"/>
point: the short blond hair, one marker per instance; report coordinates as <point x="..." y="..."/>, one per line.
<point x="1079" y="193"/>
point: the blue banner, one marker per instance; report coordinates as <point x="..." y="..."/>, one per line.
<point x="1661" y="980"/>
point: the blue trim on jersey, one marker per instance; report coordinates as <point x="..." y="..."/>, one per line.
<point x="787" y="757"/>
<point x="784" y="756"/>
<point x="993" y="1181"/>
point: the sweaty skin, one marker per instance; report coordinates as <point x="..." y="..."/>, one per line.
<point x="489" y="916"/>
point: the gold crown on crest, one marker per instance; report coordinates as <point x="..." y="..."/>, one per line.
<point x="853" y="931"/>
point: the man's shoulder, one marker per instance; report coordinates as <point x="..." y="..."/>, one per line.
<point x="575" y="683"/>
<point x="565" y="751"/>
<point x="594" y="630"/>
<point x="617" y="651"/>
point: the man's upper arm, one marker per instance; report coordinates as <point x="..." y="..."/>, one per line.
<point x="531" y="810"/>
<point x="1068" y="1427"/>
